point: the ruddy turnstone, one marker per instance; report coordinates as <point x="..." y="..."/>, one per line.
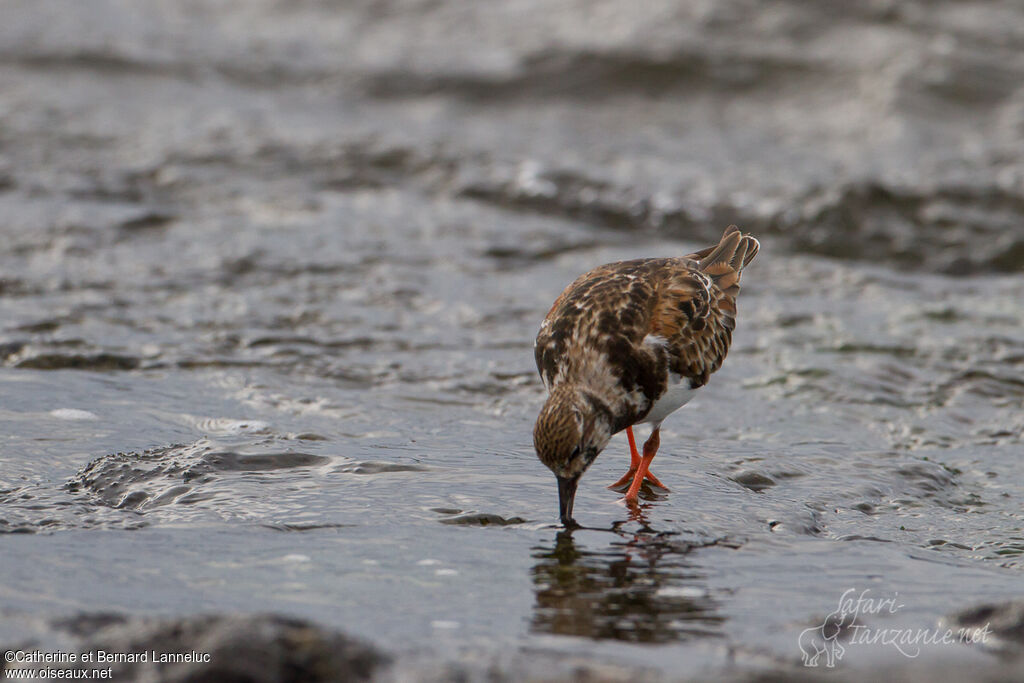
<point x="627" y="343"/>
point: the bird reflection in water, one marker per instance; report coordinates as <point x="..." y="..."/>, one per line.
<point x="639" y="589"/>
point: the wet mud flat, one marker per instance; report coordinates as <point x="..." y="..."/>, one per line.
<point x="271" y="274"/>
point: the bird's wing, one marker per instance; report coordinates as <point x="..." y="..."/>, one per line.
<point x="683" y="303"/>
<point x="695" y="308"/>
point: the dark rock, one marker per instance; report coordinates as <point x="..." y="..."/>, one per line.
<point x="250" y="648"/>
<point x="482" y="519"/>
<point x="1005" y="621"/>
<point x="753" y="480"/>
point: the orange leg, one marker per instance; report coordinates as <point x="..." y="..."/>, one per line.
<point x="650" y="450"/>
<point x="634" y="463"/>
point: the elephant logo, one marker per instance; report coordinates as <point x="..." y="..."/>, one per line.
<point x="823" y="640"/>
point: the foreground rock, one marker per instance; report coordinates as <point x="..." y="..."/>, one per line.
<point x="210" y="648"/>
<point x="1005" y="621"/>
<point x="266" y="648"/>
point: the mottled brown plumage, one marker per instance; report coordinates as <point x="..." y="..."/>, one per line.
<point x="629" y="342"/>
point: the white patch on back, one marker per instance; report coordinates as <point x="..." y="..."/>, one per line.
<point x="677" y="395"/>
<point x="655" y="340"/>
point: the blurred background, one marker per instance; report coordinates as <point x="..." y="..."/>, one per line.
<point x="270" y="273"/>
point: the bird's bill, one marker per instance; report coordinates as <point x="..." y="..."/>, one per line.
<point x="566" y="495"/>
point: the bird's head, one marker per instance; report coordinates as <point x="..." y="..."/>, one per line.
<point x="570" y="431"/>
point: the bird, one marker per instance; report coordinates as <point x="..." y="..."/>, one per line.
<point x="629" y="343"/>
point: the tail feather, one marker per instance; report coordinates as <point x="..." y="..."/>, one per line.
<point x="734" y="249"/>
<point x="725" y="261"/>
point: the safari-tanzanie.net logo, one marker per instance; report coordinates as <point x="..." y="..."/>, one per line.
<point x="843" y="627"/>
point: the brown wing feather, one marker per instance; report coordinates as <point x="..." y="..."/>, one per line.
<point x="683" y="302"/>
<point x="696" y="308"/>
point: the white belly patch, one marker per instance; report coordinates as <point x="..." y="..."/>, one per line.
<point x="677" y="395"/>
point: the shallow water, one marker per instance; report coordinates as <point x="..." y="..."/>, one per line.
<point x="267" y="302"/>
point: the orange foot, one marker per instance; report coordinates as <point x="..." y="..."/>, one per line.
<point x="629" y="476"/>
<point x="650" y="450"/>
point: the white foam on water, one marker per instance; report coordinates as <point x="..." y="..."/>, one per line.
<point x="442" y="624"/>
<point x="73" y="414"/>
